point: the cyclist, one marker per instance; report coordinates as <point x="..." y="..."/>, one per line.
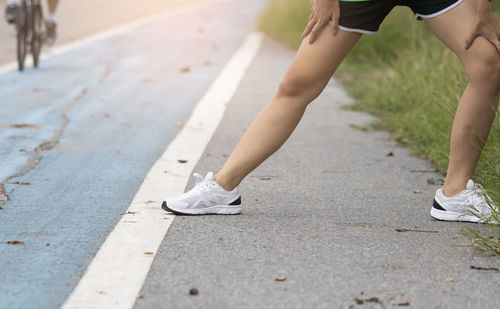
<point x="50" y="18"/>
<point x="468" y="27"/>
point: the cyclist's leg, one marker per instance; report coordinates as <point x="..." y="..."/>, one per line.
<point x="477" y="108"/>
<point x="52" y="6"/>
<point x="10" y="10"/>
<point x="50" y="21"/>
<point x="306" y="78"/>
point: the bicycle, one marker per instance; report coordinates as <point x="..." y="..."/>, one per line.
<point x="29" y="31"/>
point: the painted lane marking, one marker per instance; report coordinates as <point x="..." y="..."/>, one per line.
<point x="62" y="49"/>
<point x="117" y="272"/>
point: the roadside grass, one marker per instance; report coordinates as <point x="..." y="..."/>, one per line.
<point x="412" y="83"/>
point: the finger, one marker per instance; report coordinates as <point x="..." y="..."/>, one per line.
<point x="493" y="39"/>
<point x="315" y="31"/>
<point x="471" y="39"/>
<point x="309" y="27"/>
<point x="335" y="25"/>
<point x="497" y="43"/>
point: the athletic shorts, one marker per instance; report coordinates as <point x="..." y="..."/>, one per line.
<point x="365" y="16"/>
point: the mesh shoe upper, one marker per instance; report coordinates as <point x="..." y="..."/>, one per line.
<point x="205" y="193"/>
<point x="471" y="201"/>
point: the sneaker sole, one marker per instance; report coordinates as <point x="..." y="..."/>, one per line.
<point x="212" y="210"/>
<point x="452" y="216"/>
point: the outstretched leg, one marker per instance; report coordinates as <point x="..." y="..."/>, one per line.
<point x="477" y="108"/>
<point x="306" y="78"/>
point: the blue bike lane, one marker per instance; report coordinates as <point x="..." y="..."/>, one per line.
<point x="78" y="136"/>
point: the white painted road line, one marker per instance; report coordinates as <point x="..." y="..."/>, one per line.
<point x="119" y="269"/>
<point x="59" y="50"/>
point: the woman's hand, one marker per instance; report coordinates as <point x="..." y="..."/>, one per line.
<point x="486" y="25"/>
<point x="323" y="11"/>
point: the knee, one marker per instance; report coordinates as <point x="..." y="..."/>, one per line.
<point x="484" y="67"/>
<point x="298" y="86"/>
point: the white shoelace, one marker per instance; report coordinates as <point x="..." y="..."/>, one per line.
<point x="203" y="183"/>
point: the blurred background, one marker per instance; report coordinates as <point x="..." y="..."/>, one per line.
<point x="80" y="18"/>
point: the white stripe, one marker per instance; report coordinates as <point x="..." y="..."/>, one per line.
<point x="440" y="12"/>
<point x="356" y="30"/>
<point x="59" y="50"/>
<point x="116" y="274"/>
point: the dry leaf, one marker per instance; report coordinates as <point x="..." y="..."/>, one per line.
<point x="15" y="242"/>
<point x="22" y="183"/>
<point x="148" y="253"/>
<point x="404" y="303"/>
<point x="450" y="279"/>
<point x="106" y="115"/>
<point x="23" y="126"/>
<point x="282" y="278"/>
<point x="182" y="161"/>
<point x="185" y="70"/>
<point x="193" y="291"/>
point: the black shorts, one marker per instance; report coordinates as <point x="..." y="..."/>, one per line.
<point x="365" y="16"/>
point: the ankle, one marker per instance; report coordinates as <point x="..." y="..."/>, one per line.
<point x="225" y="183"/>
<point x="450" y="190"/>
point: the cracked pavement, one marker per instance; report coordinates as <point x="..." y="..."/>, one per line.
<point x="78" y="136"/>
<point x="330" y="221"/>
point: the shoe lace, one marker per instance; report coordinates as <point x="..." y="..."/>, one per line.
<point x="478" y="200"/>
<point x="203" y="183"/>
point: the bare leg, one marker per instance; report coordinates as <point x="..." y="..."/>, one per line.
<point x="477" y="107"/>
<point x="52" y="6"/>
<point x="306" y="78"/>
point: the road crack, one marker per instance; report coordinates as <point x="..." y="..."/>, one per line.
<point x="40" y="150"/>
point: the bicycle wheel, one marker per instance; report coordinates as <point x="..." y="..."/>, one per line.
<point x="21" y="35"/>
<point x="36" y="36"/>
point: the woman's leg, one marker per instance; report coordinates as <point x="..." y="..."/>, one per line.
<point x="477" y="107"/>
<point x="306" y="78"/>
<point x="52" y="6"/>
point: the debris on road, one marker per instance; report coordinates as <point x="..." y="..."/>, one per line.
<point x="129" y="213"/>
<point x="22" y="183"/>
<point x="193" y="291"/>
<point x="182" y="161"/>
<point x="403" y="303"/>
<point x="485" y="268"/>
<point x="361" y="301"/>
<point x="412" y="230"/>
<point x="23" y="126"/>
<point x="281" y="278"/>
<point x="15" y="242"/>
<point x="185" y="70"/>
<point x="450" y="279"/>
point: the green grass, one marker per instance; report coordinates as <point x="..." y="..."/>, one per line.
<point x="411" y="82"/>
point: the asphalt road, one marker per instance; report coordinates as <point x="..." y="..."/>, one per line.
<point x="339" y="221"/>
<point x="78" y="136"/>
<point x="324" y="213"/>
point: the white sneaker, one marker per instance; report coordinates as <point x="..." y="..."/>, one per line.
<point x="206" y="198"/>
<point x="471" y="205"/>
